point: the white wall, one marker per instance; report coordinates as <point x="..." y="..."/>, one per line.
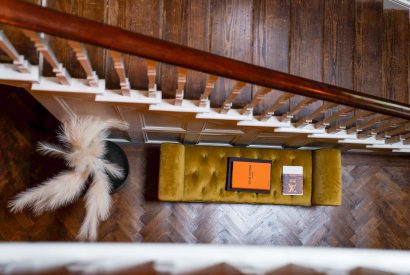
<point x="181" y="258"/>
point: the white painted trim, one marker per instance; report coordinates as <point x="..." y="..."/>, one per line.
<point x="265" y="146"/>
<point x="9" y="72"/>
<point x="136" y="96"/>
<point x="339" y="135"/>
<point x="307" y="129"/>
<point x="79" y="86"/>
<point x="369" y="140"/>
<point x="187" y="106"/>
<point x="174" y="130"/>
<point x="232" y="114"/>
<point x="401" y="150"/>
<point x="214" y="144"/>
<point x="272" y="122"/>
<point x="185" y="258"/>
<point x="398" y="145"/>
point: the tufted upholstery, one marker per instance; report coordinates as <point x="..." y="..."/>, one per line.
<point x="327" y="173"/>
<point x="198" y="173"/>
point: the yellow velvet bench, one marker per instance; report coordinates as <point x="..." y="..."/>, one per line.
<point x="198" y="174"/>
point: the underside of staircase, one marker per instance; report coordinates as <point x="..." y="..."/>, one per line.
<point x="358" y="45"/>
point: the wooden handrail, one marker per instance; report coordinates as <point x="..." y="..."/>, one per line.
<point x="36" y="18"/>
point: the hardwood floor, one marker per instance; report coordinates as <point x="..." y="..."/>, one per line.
<point x="375" y="211"/>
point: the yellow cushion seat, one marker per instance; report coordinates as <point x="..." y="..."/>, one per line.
<point x="198" y="174"/>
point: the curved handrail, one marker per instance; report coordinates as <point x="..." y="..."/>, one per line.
<point x="36" y="18"/>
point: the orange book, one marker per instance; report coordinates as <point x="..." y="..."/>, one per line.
<point x="251" y="175"/>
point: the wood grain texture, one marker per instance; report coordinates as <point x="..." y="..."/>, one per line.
<point x="198" y="32"/>
<point x="306" y="45"/>
<point x="90" y="9"/>
<point x="174" y="27"/>
<point x="231" y="37"/>
<point x="374" y="214"/>
<point x="368" y="47"/>
<point x="69" y="26"/>
<point x="143" y="16"/>
<point x="271" y="43"/>
<point x="185" y="22"/>
<point x="338" y="45"/>
<point x="395" y="55"/>
<point x="20" y="41"/>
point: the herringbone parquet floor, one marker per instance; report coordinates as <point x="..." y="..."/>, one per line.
<point x="375" y="211"/>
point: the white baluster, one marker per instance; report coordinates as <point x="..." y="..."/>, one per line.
<point x="22" y="65"/>
<point x="283" y="99"/>
<point x="82" y="57"/>
<point x="260" y="94"/>
<point x="43" y="47"/>
<point x="295" y="110"/>
<point x="209" y="87"/>
<point x="309" y="118"/>
<point x="151" y="73"/>
<point x="179" y="94"/>
<point x="234" y="93"/>
<point x="120" y="69"/>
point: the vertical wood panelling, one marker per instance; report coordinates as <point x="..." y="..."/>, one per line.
<point x="174" y="29"/>
<point x="143" y="16"/>
<point x="185" y="22"/>
<point x="198" y="18"/>
<point x="368" y="47"/>
<point x="395" y="55"/>
<point x="271" y="41"/>
<point x="90" y="9"/>
<point x="306" y="43"/>
<point x="338" y="44"/>
<point x="231" y="37"/>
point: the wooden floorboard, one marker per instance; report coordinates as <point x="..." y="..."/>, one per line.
<point x="375" y="211"/>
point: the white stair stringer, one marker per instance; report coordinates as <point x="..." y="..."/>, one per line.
<point x="393" y="146"/>
<point x="307" y="129"/>
<point x="342" y="134"/>
<point x="8" y="72"/>
<point x="76" y="86"/>
<point x="136" y="97"/>
<point x="231" y="114"/>
<point x="271" y="122"/>
<point x="365" y="141"/>
<point x="186" y="106"/>
<point x="185" y="120"/>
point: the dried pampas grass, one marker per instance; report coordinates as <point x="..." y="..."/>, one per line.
<point x="83" y="149"/>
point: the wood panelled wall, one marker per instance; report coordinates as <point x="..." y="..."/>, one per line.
<point x="354" y="44"/>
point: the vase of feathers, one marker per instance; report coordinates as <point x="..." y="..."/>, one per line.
<point x="88" y="155"/>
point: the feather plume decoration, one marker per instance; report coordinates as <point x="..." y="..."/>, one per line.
<point x="83" y="149"/>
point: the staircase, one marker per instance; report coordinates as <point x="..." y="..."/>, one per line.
<point x="356" y="45"/>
